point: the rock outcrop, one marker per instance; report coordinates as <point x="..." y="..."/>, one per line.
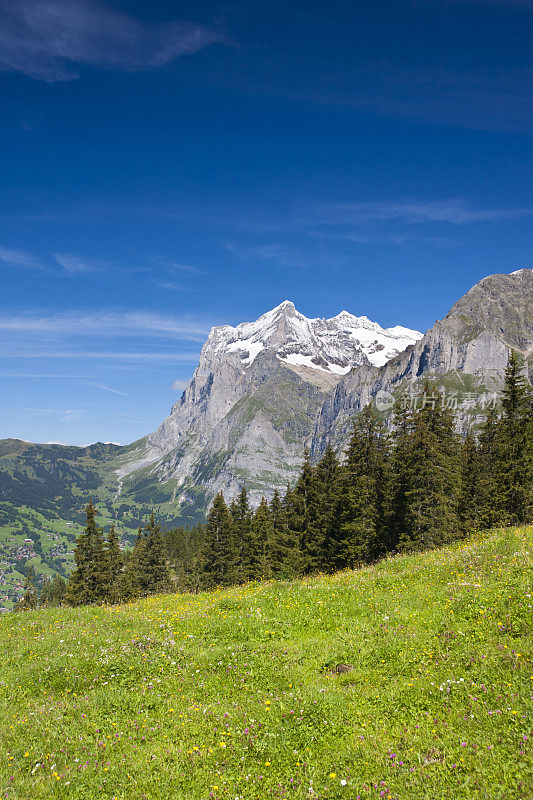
<point x="465" y="353"/>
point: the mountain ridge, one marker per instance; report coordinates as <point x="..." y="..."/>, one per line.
<point x="469" y="341"/>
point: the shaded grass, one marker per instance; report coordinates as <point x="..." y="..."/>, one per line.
<point x="234" y="694"/>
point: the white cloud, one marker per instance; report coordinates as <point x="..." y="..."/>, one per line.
<point x="48" y="39"/>
<point x="18" y="258"/>
<point x="104" y="324"/>
<point x="175" y="265"/>
<point x="283" y="255"/>
<point x="179" y="386"/>
<point x="454" y="212"/>
<point x="71" y="415"/>
<point x="171" y="286"/>
<point x="75" y="264"/>
<point x="104" y="355"/>
<point x="105" y="388"/>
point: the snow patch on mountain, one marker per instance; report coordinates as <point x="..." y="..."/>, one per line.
<point x="251" y="349"/>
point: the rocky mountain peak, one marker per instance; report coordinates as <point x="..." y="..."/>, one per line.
<point x="332" y="346"/>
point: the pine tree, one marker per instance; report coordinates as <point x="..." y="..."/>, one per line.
<point x="402" y="430"/>
<point x="148" y="568"/>
<point x="364" y="490"/>
<point x="432" y="476"/>
<point x="281" y="545"/>
<point x="87" y="583"/>
<point x="53" y="592"/>
<point x="115" y="565"/>
<point x="30" y="597"/>
<point x="219" y="546"/>
<point x="489" y="495"/>
<point x="469" y="508"/>
<point x="184" y="549"/>
<point x="324" y="511"/>
<point x="44" y="595"/>
<point x="515" y="471"/>
<point x="56" y="591"/>
<point x="262" y="534"/>
<point x="243" y="545"/>
<point x="297" y="501"/>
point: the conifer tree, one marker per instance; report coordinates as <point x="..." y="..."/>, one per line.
<point x="515" y="471"/>
<point x="148" y="566"/>
<point x="219" y="545"/>
<point x="55" y="592"/>
<point x="30" y="597"/>
<point x="184" y="548"/>
<point x="282" y="544"/>
<point x="243" y="544"/>
<point x="87" y="583"/>
<point x="115" y="565"/>
<point x="402" y="429"/>
<point x="263" y="534"/>
<point x="324" y="511"/>
<point x="432" y="475"/>
<point x="489" y="496"/>
<point x="469" y="508"/>
<point x="44" y="595"/>
<point x="297" y="502"/>
<point x="361" y="535"/>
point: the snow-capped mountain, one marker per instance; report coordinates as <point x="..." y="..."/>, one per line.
<point x="252" y="401"/>
<point x="333" y="345"/>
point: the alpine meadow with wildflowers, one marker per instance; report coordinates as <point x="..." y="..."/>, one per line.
<point x="409" y="679"/>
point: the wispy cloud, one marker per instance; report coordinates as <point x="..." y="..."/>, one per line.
<point x="171" y="286"/>
<point x="75" y="264"/>
<point x="284" y="255"/>
<point x="105" y="388"/>
<point x="65" y="415"/>
<point x="453" y="212"/>
<point x="71" y="414"/>
<point x="18" y="258"/>
<point x="103" y="324"/>
<point x="49" y="39"/>
<point x="82" y="356"/>
<point x="175" y="266"/>
<point x="479" y="98"/>
<point x="402" y="222"/>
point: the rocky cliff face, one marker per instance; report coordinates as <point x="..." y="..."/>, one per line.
<point x="252" y="403"/>
<point x="465" y="354"/>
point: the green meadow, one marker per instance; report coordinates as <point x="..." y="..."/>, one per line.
<point x="408" y="680"/>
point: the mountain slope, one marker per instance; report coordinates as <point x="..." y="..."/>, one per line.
<point x="465" y="353"/>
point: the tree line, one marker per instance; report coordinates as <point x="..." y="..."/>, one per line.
<point x="416" y="486"/>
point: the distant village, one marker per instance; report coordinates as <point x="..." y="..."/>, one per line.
<point x="15" y="556"/>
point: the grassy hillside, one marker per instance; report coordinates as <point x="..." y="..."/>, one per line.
<point x="236" y="693"/>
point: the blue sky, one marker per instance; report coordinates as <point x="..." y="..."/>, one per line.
<point x="169" y="166"/>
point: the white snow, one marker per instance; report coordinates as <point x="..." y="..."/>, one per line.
<point x="519" y="271"/>
<point x="339" y="370"/>
<point x="253" y="348"/>
<point x="339" y="344"/>
<point x="299" y="360"/>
